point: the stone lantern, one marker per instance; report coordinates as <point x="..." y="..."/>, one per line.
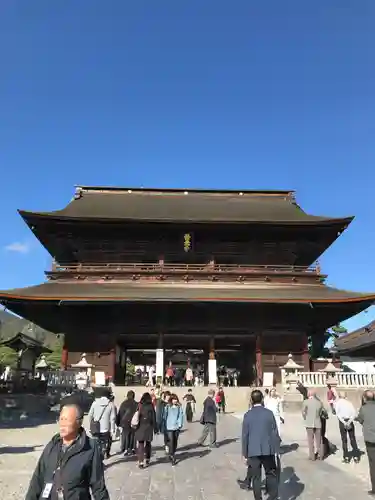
<point x="41" y="368"/>
<point x="330" y="370"/>
<point x="289" y="373"/>
<point x="83" y="376"/>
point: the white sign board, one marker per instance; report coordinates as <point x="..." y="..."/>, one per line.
<point x="160" y="363"/>
<point x="268" y="379"/>
<point x="99" y="378"/>
<point x="212" y="371"/>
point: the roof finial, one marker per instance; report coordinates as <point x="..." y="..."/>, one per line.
<point x="78" y="193"/>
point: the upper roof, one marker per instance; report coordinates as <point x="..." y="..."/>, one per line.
<point x="136" y="292"/>
<point x="362" y="337"/>
<point x="182" y="205"/>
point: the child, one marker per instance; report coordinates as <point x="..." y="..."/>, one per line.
<point x="220" y="400"/>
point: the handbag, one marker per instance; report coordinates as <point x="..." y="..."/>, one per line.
<point x="201" y="420"/>
<point x="323" y="414"/>
<point x="95" y="424"/>
<point x="135" y="420"/>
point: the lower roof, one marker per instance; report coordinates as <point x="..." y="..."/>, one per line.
<point x="358" y="339"/>
<point x="137" y="292"/>
<point x="20" y="339"/>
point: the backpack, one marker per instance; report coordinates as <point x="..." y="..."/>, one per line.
<point x="95" y="424"/>
<point x="135" y="420"/>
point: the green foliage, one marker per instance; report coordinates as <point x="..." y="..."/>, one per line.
<point x="338" y="331"/>
<point x="54" y="359"/>
<point x="8" y="357"/>
<point x="130" y="368"/>
<point x="318" y="342"/>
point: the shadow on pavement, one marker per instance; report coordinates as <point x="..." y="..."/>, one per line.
<point x="181" y="457"/>
<point x="288" y="448"/>
<point x="13" y="450"/>
<point x="290" y="486"/>
<point x="18" y="421"/>
<point x="220" y="444"/>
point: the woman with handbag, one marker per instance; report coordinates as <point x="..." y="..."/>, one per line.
<point x="144" y="424"/>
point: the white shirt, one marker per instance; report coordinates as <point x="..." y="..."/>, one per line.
<point x="345" y="410"/>
<point x="275" y="405"/>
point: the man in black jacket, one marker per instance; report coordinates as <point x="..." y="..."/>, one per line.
<point x="70" y="465"/>
<point x="261" y="446"/>
<point x="209" y="420"/>
<point x="123" y="419"/>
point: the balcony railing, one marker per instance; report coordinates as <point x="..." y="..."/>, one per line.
<point x="344" y="379"/>
<point x="161" y="268"/>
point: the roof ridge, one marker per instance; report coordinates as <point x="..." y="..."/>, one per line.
<point x="81" y="189"/>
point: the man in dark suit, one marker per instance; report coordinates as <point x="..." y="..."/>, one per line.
<point x="209" y="420"/>
<point x="260" y="445"/>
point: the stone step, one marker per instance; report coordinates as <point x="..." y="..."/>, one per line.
<point x="237" y="398"/>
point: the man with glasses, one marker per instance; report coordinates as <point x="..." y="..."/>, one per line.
<point x="70" y="465"/>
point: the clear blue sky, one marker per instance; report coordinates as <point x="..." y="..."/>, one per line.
<point x="189" y="93"/>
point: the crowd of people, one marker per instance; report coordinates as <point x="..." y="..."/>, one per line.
<point x="188" y="376"/>
<point x="71" y="464"/>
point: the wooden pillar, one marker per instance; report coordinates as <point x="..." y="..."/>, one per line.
<point x="159" y="362"/>
<point x="64" y="357"/>
<point x="211" y="353"/>
<point x="305" y="353"/>
<point x="259" y="360"/>
<point x="212" y="364"/>
<point x="112" y="364"/>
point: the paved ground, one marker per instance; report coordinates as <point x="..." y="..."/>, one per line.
<point x="200" y="474"/>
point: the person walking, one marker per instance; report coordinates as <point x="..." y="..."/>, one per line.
<point x="160" y="423"/>
<point x="220" y="400"/>
<point x="151" y="377"/>
<point x="189" y="376"/>
<point x="346" y="414"/>
<point x="124" y="417"/>
<point x="312" y="410"/>
<point x="71" y="463"/>
<point x="145" y="429"/>
<point x="261" y="446"/>
<point x="209" y="420"/>
<point x="275" y="404"/>
<point x="173" y="421"/>
<point x="366" y="417"/>
<point x="190" y="405"/>
<point x="331" y="398"/>
<point x="102" y="420"/>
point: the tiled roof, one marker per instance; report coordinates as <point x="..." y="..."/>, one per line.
<point x="190" y="205"/>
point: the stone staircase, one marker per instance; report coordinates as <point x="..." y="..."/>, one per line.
<point x="237" y="398"/>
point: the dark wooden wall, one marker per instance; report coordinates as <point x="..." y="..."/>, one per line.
<point x="146" y="242"/>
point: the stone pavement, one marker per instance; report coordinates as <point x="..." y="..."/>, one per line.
<point x="200" y="474"/>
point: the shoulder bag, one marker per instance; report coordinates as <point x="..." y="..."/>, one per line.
<point x="95" y="424"/>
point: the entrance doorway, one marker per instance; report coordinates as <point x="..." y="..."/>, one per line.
<point x="230" y="366"/>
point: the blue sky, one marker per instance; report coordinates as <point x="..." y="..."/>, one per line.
<point x="196" y="93"/>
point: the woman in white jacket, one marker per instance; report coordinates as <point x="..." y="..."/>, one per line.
<point x="275" y="404"/>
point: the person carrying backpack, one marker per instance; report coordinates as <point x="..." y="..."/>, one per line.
<point x="102" y="421"/>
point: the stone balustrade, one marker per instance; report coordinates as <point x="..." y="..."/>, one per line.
<point x="349" y="380"/>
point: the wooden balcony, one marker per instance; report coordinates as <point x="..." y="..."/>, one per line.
<point x="184" y="272"/>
